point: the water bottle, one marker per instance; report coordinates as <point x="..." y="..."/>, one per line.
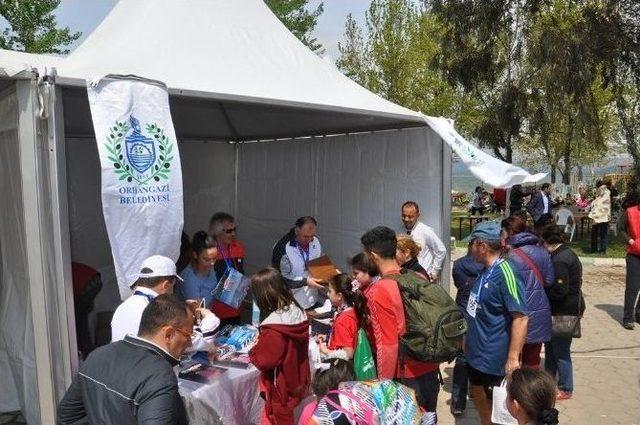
<point x="255" y="315"/>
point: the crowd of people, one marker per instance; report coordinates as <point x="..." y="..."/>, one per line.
<point x="518" y="288"/>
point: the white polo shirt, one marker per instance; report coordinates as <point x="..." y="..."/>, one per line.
<point x="126" y="319"/>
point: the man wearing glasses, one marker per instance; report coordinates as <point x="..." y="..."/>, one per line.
<point x="132" y="381"/>
<point x="158" y="276"/>
<point x="223" y="228"/>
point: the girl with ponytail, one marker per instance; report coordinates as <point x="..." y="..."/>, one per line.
<point x="351" y="314"/>
<point x="531" y="396"/>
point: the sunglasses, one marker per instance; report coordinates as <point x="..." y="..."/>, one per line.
<point x="229" y="231"/>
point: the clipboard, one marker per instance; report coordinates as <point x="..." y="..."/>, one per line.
<point x="322" y="268"/>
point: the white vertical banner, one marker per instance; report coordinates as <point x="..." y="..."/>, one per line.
<point x="141" y="175"/>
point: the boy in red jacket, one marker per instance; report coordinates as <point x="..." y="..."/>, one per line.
<point x="281" y="353"/>
<point x="388" y="322"/>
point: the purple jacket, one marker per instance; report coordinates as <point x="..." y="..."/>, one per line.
<point x="539" y="326"/>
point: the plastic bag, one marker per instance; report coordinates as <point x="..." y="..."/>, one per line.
<point x="363" y="363"/>
<point x="232" y="288"/>
<point x="499" y="412"/>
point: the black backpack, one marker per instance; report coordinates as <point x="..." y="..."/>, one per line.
<point x="435" y="325"/>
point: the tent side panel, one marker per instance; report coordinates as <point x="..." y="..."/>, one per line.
<point x="18" y="386"/>
<point x="350" y="183"/>
<point x="88" y="233"/>
<point x="208" y="180"/>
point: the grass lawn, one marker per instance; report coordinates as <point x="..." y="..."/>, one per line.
<point x="616" y="247"/>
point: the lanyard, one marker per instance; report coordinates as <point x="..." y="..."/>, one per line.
<point x="302" y="252"/>
<point x="225" y="256"/>
<point x="486" y="276"/>
<point x="142" y="294"/>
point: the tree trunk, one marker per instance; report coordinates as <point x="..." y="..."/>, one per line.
<point x="580" y="173"/>
<point x="566" y="175"/>
<point x="627" y="121"/>
<point x="552" y="174"/>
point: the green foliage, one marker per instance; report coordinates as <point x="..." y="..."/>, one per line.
<point x="614" y="34"/>
<point x="33" y="28"/>
<point x="300" y="21"/>
<point x="570" y="120"/>
<point x="393" y="57"/>
<point x="484" y="45"/>
<point x="556" y="80"/>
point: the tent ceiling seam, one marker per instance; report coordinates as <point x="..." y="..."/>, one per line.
<point x="234" y="131"/>
<point x="317" y="136"/>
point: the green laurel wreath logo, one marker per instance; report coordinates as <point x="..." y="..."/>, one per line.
<point x="114" y="146"/>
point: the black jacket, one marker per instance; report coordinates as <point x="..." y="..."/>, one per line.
<point x="415" y="266"/>
<point x="126" y="382"/>
<point x="563" y="295"/>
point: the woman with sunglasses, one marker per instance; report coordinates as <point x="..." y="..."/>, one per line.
<point x="223" y="228"/>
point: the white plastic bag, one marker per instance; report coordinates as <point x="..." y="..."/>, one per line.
<point x="499" y="413"/>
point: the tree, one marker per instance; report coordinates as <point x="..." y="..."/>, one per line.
<point x="33" y="28"/>
<point x="570" y="119"/>
<point x="393" y="57"/>
<point x="483" y="51"/>
<point x="615" y="46"/>
<point x="300" y="21"/>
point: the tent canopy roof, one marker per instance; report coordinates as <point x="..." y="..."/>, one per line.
<point x="259" y="80"/>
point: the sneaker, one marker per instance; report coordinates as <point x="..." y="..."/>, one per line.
<point x="456" y="411"/>
<point x="629" y="325"/>
<point x="563" y="395"/>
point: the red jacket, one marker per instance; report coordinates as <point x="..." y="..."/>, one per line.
<point x="344" y="333"/>
<point x="633" y="218"/>
<point x="281" y="354"/>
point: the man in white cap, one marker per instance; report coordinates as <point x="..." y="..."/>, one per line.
<point x="158" y="276"/>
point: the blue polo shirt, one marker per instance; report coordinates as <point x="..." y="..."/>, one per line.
<point x="501" y="294"/>
<point x="197" y="287"/>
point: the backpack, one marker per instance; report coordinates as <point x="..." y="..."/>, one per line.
<point x="435" y="325"/>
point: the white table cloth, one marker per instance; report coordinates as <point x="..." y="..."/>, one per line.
<point x="231" y="399"/>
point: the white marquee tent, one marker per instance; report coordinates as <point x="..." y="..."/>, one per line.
<point x="267" y="131"/>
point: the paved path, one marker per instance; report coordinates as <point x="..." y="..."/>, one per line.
<point x="606" y="361"/>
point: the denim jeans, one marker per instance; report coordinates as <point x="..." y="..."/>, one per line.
<point x="460" y="383"/>
<point x="599" y="230"/>
<point x="557" y="361"/>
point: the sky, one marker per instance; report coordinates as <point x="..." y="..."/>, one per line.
<point x="85" y="15"/>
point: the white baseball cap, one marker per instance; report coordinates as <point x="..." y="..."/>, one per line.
<point x="156" y="266"/>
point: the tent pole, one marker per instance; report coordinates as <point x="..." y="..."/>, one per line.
<point x="61" y="233"/>
<point x="32" y="181"/>
<point x="445" y="217"/>
<point x="236" y="169"/>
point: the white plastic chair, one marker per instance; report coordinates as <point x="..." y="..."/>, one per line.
<point x="564" y="217"/>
